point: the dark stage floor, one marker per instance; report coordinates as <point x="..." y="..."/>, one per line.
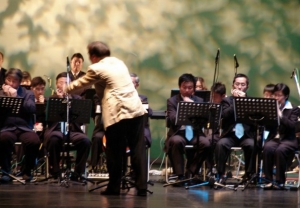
<point x="53" y="195"/>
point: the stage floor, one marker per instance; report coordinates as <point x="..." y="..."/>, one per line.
<point x="54" y="195"/>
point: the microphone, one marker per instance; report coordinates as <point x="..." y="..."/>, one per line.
<point x="293" y="74"/>
<point x="218" y="55"/>
<point x="236" y="61"/>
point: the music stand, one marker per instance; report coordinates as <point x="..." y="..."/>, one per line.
<point x="10" y="106"/>
<point x="79" y="112"/>
<point x="197" y="115"/>
<point x="204" y="94"/>
<point x="258" y="112"/>
<point x="89" y="94"/>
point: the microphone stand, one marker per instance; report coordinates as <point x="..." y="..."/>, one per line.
<point x="66" y="134"/>
<point x="236" y="64"/>
<point x="295" y="75"/>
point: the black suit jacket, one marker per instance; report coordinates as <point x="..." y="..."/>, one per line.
<point x="2" y="77"/>
<point x="228" y="121"/>
<point x="287" y="125"/>
<point x="80" y="74"/>
<point x="172" y="111"/>
<point x="25" y="119"/>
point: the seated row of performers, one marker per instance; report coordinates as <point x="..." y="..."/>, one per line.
<point x="278" y="150"/>
<point x="20" y="128"/>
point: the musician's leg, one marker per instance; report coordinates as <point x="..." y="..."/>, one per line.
<point x="247" y="145"/>
<point x="30" y="142"/>
<point x="82" y="145"/>
<point x="176" y="151"/>
<point x="268" y="158"/>
<point x="222" y="152"/>
<point x="96" y="148"/>
<point x="7" y="140"/>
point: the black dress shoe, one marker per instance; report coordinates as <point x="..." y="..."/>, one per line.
<point x="279" y="187"/>
<point x="268" y="186"/>
<point x="142" y="192"/>
<point x="110" y="192"/>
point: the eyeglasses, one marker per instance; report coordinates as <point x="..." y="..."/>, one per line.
<point x="238" y="84"/>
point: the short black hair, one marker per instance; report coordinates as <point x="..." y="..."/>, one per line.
<point x="60" y="75"/>
<point x="37" y="81"/>
<point x="269" y="88"/>
<point x="186" y="78"/>
<point x="219" y="88"/>
<point x="14" y="72"/>
<point x="98" y="49"/>
<point x="241" y="75"/>
<point x="77" y="55"/>
<point x="137" y="79"/>
<point x="283" y="88"/>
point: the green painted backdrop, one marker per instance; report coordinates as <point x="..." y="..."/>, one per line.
<point x="158" y="39"/>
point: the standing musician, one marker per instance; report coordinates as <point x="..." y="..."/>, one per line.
<point x="122" y="114"/>
<point x="54" y="138"/>
<point x="280" y="146"/>
<point x="235" y="134"/>
<point x="13" y="129"/>
<point x="178" y="136"/>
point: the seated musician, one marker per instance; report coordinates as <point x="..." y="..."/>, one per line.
<point x="235" y="134"/>
<point x="136" y="82"/>
<point x="280" y="146"/>
<point x="13" y="129"/>
<point x="179" y="136"/>
<point x="54" y="139"/>
<point x="200" y="83"/>
<point x="218" y="91"/>
<point x="268" y="91"/>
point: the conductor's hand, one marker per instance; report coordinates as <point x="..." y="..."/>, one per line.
<point x="187" y="99"/>
<point x="238" y="93"/>
<point x="9" y="91"/>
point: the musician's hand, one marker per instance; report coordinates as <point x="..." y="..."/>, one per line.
<point x="60" y="93"/>
<point x="41" y="99"/>
<point x="187" y="99"/>
<point x="9" y="91"/>
<point x="237" y="93"/>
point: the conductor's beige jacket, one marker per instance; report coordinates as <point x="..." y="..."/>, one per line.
<point x="113" y="85"/>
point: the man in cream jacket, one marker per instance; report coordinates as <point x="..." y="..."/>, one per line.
<point x="122" y="113"/>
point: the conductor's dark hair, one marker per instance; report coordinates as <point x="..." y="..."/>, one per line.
<point x="98" y="49"/>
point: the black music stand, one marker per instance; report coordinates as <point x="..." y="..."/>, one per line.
<point x="204" y="94"/>
<point x="257" y="112"/>
<point x="79" y="112"/>
<point x="197" y="115"/>
<point x="10" y="106"/>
